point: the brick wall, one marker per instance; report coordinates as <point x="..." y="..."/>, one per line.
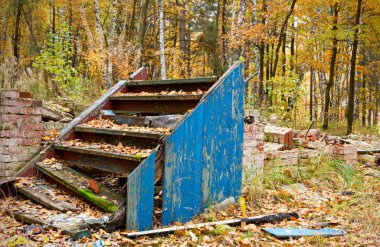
<point x="253" y="150"/>
<point x="21" y="129"/>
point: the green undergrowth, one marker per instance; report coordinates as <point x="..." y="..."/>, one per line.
<point x="322" y="171"/>
<point x="104" y="204"/>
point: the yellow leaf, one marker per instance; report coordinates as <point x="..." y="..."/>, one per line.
<point x="242" y="205"/>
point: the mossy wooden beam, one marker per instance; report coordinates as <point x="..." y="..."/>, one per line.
<point x="106" y="199"/>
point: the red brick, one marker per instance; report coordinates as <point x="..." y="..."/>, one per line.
<point x="248" y="127"/>
<point x="20" y="118"/>
<point x="9" y="93"/>
<point x="248" y="136"/>
<point x="20" y="110"/>
<point x="22" y="126"/>
<point x="20" y="150"/>
<point x="21" y="134"/>
<point x="94" y="186"/>
<point x="16" y="102"/>
<point x="26" y="95"/>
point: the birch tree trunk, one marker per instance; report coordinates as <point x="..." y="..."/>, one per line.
<point x="99" y="32"/>
<point x="162" y="39"/>
<point x="111" y="44"/>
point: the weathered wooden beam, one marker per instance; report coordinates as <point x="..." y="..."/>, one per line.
<point x="106" y="199"/>
<point x="76" y="232"/>
<point x="157" y="97"/>
<point x="104" y="131"/>
<point x="98" y="152"/>
<point x="36" y="194"/>
<point x="368" y="151"/>
<point x="174" y="81"/>
<point x="234" y="222"/>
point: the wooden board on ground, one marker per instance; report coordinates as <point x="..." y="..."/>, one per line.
<point x="106" y="199"/>
<point x="38" y="194"/>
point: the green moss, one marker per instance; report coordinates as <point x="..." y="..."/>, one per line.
<point x="222" y="230"/>
<point x="139" y="156"/>
<point x="104" y="204"/>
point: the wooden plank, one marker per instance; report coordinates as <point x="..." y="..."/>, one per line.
<point x="98" y="152"/>
<point x="106" y="199"/>
<point x="104" y="131"/>
<point x="130" y="120"/>
<point x="151" y="106"/>
<point x="76" y="232"/>
<point x="37" y="194"/>
<point x="368" y="151"/>
<point x="262" y="219"/>
<point x="173" y="81"/>
<point x="183" y="170"/>
<point x="140" y="196"/>
<point x="283" y="233"/>
<point x="157" y="97"/>
<point x="203" y="163"/>
<point x="223" y="139"/>
<point x="100" y="163"/>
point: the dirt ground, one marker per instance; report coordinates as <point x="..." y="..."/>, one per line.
<point x="325" y="194"/>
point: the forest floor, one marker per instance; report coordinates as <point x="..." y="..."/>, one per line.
<point x="324" y="193"/>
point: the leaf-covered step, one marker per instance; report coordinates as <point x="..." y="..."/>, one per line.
<point x="78" y="182"/>
<point x="107" y="127"/>
<point x="43" y="193"/>
<point x="99" y="150"/>
<point x="199" y="80"/>
<point x="174" y="97"/>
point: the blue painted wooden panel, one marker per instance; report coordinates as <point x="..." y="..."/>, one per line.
<point x="140" y="195"/>
<point x="203" y="155"/>
<point x="282" y="233"/>
<point x="183" y="170"/>
<point x="223" y="139"/>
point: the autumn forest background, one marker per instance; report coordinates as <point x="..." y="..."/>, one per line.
<point x="306" y="60"/>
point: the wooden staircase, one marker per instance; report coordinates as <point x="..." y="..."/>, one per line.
<point x="128" y="134"/>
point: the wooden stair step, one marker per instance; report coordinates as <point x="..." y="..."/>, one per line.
<point x="157" y="97"/>
<point x="77" y="182"/>
<point x="131" y="133"/>
<point x="39" y="195"/>
<point x="199" y="80"/>
<point x="73" y="230"/>
<point x="97" y="152"/>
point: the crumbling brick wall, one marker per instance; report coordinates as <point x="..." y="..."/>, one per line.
<point x="253" y="150"/>
<point x="21" y="129"/>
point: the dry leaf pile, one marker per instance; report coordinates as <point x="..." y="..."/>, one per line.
<point x="120" y="148"/>
<point x="173" y="92"/>
<point x="109" y="124"/>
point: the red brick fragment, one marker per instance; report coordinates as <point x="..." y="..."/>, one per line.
<point x="94" y="186"/>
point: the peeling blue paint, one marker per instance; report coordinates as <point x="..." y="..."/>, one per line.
<point x="203" y="155"/>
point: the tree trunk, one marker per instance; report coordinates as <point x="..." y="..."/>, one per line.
<point x="99" y="32"/>
<point x="351" y="97"/>
<point x="111" y="43"/>
<point x="182" y="33"/>
<point x="312" y="74"/>
<point x="224" y="33"/>
<point x="262" y="53"/>
<point x="332" y="68"/>
<point x="322" y="89"/>
<point x="162" y="39"/>
<point x="17" y="32"/>
<point x="281" y="36"/>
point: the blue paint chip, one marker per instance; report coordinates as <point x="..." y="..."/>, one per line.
<point x="282" y="233"/>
